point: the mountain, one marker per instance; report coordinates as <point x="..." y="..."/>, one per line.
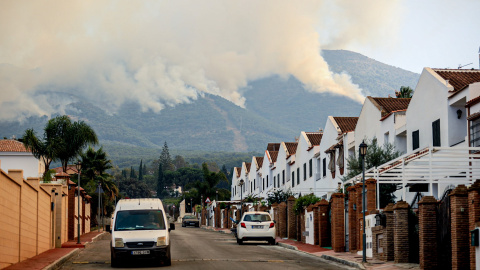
<point x="276" y="110"/>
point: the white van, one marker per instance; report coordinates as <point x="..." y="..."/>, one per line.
<point x="139" y="231"/>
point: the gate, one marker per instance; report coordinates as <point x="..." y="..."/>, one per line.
<point x="444" y="239"/>
<point x="413" y="237"/>
<point x="347" y="240"/>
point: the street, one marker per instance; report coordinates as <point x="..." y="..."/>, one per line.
<point x="196" y="248"/>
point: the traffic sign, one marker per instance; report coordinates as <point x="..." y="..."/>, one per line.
<point x="207" y="200"/>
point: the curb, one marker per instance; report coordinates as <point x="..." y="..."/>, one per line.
<point x="343" y="261"/>
<point x="58" y="263"/>
<point x="287" y="246"/>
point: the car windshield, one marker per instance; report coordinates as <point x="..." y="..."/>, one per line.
<point x="130" y="220"/>
<point x="189" y="217"/>
<point x="257" y="217"/>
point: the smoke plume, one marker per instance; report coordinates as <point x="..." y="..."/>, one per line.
<point x="162" y="53"/>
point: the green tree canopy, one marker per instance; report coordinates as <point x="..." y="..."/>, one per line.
<point x="405" y="92"/>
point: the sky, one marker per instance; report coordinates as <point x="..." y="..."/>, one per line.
<point x="162" y="53"/>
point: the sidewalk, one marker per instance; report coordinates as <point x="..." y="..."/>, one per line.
<point x="347" y="258"/>
<point x="51" y="259"/>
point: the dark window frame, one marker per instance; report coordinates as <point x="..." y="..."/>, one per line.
<point x="415" y="139"/>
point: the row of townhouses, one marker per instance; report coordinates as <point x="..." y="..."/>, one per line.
<point x="437" y="131"/>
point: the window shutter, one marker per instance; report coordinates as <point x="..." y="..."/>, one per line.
<point x="436" y="133"/>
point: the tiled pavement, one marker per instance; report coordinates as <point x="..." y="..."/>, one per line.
<point x="50" y="259"/>
<point x="54" y="257"/>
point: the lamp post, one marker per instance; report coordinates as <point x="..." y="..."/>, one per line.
<point x="241" y="197"/>
<point x="191" y="206"/>
<point x="363" y="151"/>
<point x="216" y="195"/>
<point x="78" y="166"/>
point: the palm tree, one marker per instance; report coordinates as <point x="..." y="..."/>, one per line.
<point x="405" y="92"/>
<point x="94" y="167"/>
<point x="42" y="149"/>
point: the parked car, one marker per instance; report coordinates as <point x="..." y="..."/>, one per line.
<point x="190" y="220"/>
<point x="256" y="226"/>
<point x="139" y="231"/>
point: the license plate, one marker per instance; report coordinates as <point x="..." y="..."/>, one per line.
<point x="192" y="223"/>
<point x="257" y="227"/>
<point x="140" y="252"/>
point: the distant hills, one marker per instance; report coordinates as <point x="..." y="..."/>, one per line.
<point x="276" y="110"/>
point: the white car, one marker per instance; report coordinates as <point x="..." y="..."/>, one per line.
<point x="256" y="226"/>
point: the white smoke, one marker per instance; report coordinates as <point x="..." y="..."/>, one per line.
<point x="162" y="53"/>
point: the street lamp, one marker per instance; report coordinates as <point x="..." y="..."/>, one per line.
<point x="216" y="195"/>
<point x="363" y="151"/>
<point x="191" y="206"/>
<point x="78" y="166"/>
<point x="241" y="196"/>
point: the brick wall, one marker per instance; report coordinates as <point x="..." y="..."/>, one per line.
<point x="459" y="223"/>
<point x="379" y="243"/>
<point x="401" y="244"/>
<point x="352" y="219"/>
<point x="338" y="222"/>
<point x="217" y="217"/>
<point x="291" y="226"/>
<point x="315" y="224"/>
<point x="473" y="214"/>
<point x="427" y="221"/>
<point x="275" y="217"/>
<point x="282" y="220"/>
<point x="389" y="232"/>
<point x="371" y="186"/>
<point x="359" y="219"/>
<point x="323" y="224"/>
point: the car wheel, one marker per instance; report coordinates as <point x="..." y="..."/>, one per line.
<point x="197" y="225"/>
<point x="239" y="241"/>
<point x="183" y="225"/>
<point x="168" y="259"/>
<point x="272" y="241"/>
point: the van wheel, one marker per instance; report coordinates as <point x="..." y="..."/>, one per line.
<point x="239" y="241"/>
<point x="168" y="260"/>
<point x="114" y="262"/>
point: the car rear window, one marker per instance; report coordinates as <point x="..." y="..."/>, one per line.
<point x="257" y="217"/>
<point x="189" y="217"/>
<point x="130" y="220"/>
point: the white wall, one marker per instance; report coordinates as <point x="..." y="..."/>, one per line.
<point x="21" y="160"/>
<point x="326" y="185"/>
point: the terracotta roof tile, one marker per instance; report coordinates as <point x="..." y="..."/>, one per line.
<point x="259" y="161"/>
<point x="273" y="146"/>
<point x="388" y="105"/>
<point x="247" y="166"/>
<point x="314" y="137"/>
<point x="273" y="155"/>
<point x="12" y="146"/>
<point x="291" y="148"/>
<point x="238" y="171"/>
<point x="459" y="78"/>
<point x="346" y="124"/>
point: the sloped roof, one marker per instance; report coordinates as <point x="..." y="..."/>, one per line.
<point x="247" y="166"/>
<point x="259" y="161"/>
<point x="238" y="171"/>
<point x="346" y="124"/>
<point x="273" y="146"/>
<point x="273" y="155"/>
<point x="314" y="137"/>
<point x="291" y="148"/>
<point x="389" y="104"/>
<point x="459" y="78"/>
<point x="12" y="146"/>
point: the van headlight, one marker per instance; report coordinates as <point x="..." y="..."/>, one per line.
<point x="161" y="241"/>
<point x="119" y="242"/>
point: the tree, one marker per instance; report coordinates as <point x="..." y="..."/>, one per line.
<point x="179" y="162"/>
<point x="134" y="188"/>
<point x="165" y="158"/>
<point x="132" y="172"/>
<point x="160" y="181"/>
<point x="140" y="170"/>
<point x="405" y="92"/>
<point x="375" y="156"/>
<point x="279" y="196"/>
<point x="43" y="149"/>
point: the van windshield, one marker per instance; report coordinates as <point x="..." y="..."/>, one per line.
<point x="130" y="220"/>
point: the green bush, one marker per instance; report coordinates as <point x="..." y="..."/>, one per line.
<point x="304" y="201"/>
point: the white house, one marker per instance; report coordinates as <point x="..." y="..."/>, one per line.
<point x="308" y="146"/>
<point x="290" y="149"/>
<point x="13" y="155"/>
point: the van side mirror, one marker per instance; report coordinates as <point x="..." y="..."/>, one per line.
<point x="172" y="227"/>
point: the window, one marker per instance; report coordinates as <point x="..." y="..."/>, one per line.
<point x="274" y="182"/>
<point x="310" y="172"/>
<point x="304" y="171"/>
<point x="324" y="165"/>
<point x="436" y="133"/>
<point x="263" y="183"/>
<point x="298" y="176"/>
<point x="254" y="187"/>
<point x="415" y="140"/>
<point x="283" y="177"/>
<point x="267" y="181"/>
<point x="278" y="179"/>
<point x="251" y="190"/>
<point x="385" y="138"/>
<point x="475" y="133"/>
<point x="293" y="178"/>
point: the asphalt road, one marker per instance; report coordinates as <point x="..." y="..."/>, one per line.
<point x="196" y="248"/>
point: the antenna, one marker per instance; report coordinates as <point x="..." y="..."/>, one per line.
<point x="460" y="66"/>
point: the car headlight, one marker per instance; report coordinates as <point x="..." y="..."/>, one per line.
<point x="119" y="242"/>
<point x="161" y="241"/>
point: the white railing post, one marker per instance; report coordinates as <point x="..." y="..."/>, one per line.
<point x="430" y="157"/>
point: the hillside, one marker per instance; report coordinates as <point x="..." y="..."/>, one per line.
<point x="276" y="110"/>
